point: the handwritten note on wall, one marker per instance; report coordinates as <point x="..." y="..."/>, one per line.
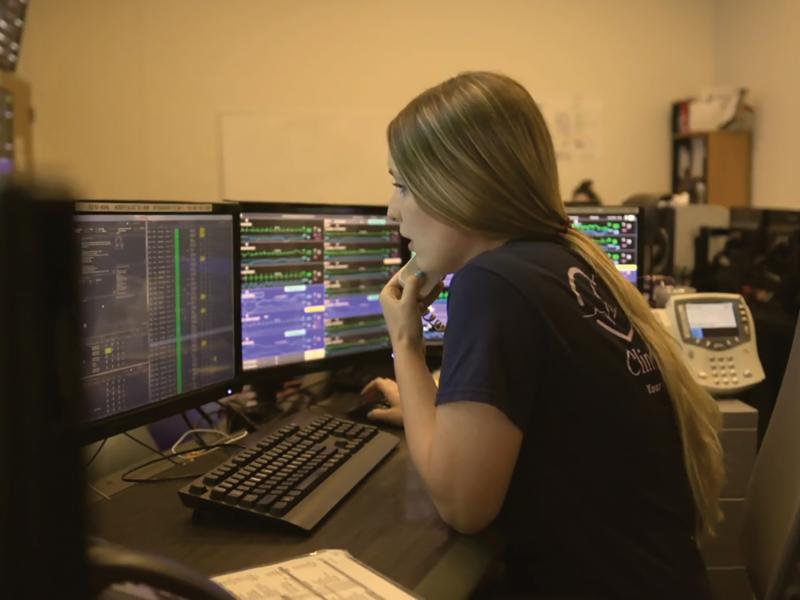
<point x="576" y="126"/>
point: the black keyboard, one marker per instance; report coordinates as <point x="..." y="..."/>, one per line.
<point x="295" y="471"/>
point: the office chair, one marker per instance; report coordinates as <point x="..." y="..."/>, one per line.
<point x="771" y="529"/>
<point x="110" y="564"/>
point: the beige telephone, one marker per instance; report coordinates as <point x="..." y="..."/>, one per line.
<point x="716" y="334"/>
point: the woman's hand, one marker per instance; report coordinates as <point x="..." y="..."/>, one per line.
<point x="402" y="310"/>
<point x="384" y="389"/>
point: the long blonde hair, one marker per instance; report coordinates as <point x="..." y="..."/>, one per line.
<point x="475" y="152"/>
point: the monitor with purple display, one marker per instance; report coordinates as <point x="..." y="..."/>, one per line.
<point x="617" y="231"/>
<point x="434" y="321"/>
<point x="311" y="276"/>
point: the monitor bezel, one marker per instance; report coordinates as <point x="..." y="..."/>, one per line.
<point x="275" y="374"/>
<point x="620" y="210"/>
<point x="90" y="431"/>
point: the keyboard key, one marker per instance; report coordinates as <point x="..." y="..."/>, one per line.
<point x="278" y="509"/>
<point x="234" y="497"/>
<point x="249" y="501"/>
<point x="218" y="493"/>
<point x="197" y="488"/>
<point x="263" y="504"/>
<point x="312" y="479"/>
<point x="212" y="479"/>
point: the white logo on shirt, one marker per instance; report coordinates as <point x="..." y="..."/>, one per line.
<point x="604" y="312"/>
<point x="608" y="316"/>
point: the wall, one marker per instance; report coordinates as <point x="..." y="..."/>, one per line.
<point x="132" y="97"/>
<point x="756" y="44"/>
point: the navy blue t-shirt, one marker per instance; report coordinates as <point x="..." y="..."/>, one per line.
<point x="599" y="503"/>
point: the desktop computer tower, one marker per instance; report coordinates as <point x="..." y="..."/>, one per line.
<point x="770" y="241"/>
<point x="672" y="236"/>
<point x="782" y="227"/>
<point x="747" y="219"/>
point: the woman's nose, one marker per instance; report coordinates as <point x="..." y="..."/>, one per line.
<point x="392" y="211"/>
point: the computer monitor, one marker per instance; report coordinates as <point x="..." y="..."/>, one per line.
<point x="434" y="321"/>
<point x="618" y="232"/>
<point x="159" y="316"/>
<point x="311" y="276"/>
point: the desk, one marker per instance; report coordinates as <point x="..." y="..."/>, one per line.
<point x="387" y="522"/>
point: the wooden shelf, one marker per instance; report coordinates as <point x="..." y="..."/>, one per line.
<point x="725" y="171"/>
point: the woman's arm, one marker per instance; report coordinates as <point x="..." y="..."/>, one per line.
<point x="465" y="451"/>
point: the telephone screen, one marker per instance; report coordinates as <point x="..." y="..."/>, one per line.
<point x="711" y="319"/>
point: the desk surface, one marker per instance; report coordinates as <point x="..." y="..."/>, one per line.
<point x="387" y="522"/>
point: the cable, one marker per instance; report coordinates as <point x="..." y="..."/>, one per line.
<point x="96" y="452"/>
<point x="98" y="492"/>
<point x="308" y="386"/>
<point x="196" y="433"/>
<point x="226" y="439"/>
<point x="238" y="413"/>
<point x="153" y="450"/>
<point x="290" y="399"/>
<point x="192" y="428"/>
<point x="205" y="416"/>
<point x="187" y="421"/>
<point x="125" y="476"/>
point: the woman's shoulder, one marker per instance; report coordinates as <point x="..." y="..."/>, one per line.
<point x="525" y="256"/>
<point x="518" y="268"/>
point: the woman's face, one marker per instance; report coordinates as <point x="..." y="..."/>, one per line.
<point x="440" y="247"/>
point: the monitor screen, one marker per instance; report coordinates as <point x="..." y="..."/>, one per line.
<point x="434" y="321"/>
<point x="310" y="282"/>
<point x="712" y="319"/>
<point x="157" y="305"/>
<point x="616" y="230"/>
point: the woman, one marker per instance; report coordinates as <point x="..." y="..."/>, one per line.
<point x="563" y="411"/>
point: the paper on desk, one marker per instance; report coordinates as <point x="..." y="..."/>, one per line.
<point x="324" y="574"/>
